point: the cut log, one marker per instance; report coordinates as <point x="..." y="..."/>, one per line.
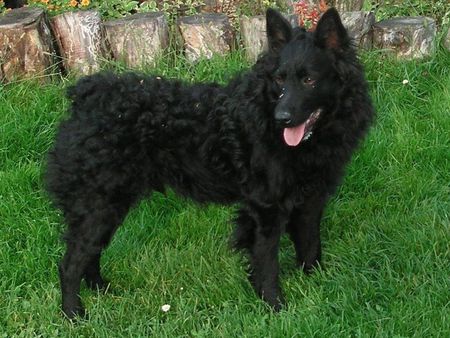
<point x="254" y="36"/>
<point x="138" y="39"/>
<point x="360" y="27"/>
<point x="79" y="37"/>
<point x="205" y="35"/>
<point x="406" y="38"/>
<point x="26" y="46"/>
<point x="347" y="5"/>
<point x="447" y="39"/>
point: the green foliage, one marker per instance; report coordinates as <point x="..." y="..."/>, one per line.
<point x="55" y="7"/>
<point x="436" y="9"/>
<point x="258" y="7"/>
<point x="115" y="8"/>
<point x="173" y="8"/>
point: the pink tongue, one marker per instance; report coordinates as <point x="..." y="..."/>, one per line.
<point x="293" y="136"/>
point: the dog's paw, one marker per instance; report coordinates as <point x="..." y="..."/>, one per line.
<point x="73" y="313"/>
<point x="309" y="267"/>
<point x="97" y="283"/>
<point x="274" y="298"/>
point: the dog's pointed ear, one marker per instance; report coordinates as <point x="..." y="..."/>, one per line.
<point x="330" y="32"/>
<point x="279" y="31"/>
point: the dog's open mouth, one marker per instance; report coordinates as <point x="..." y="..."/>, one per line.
<point x="293" y="136"/>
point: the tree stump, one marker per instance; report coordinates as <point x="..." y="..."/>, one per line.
<point x="26" y="46"/>
<point x="254" y="35"/>
<point x="447" y="39"/>
<point x="79" y="38"/>
<point x="205" y="35"/>
<point x="138" y="39"/>
<point x="347" y="5"/>
<point x="407" y="38"/>
<point x="360" y="27"/>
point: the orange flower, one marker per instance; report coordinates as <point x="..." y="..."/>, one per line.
<point x="45" y="1"/>
<point x="73" y="3"/>
<point x="85" y="3"/>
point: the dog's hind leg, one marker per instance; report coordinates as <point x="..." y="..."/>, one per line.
<point x="304" y="231"/>
<point x="92" y="275"/>
<point x="85" y="241"/>
<point x="262" y="244"/>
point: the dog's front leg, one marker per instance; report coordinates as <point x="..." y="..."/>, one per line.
<point x="264" y="274"/>
<point x="304" y="230"/>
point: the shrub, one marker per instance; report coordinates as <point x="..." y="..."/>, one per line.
<point x="437" y="9"/>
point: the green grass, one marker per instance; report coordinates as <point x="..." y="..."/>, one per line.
<point x="386" y="233"/>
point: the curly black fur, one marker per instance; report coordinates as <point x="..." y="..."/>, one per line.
<point x="131" y="134"/>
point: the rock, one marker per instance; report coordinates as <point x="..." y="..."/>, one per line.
<point x="360" y="27"/>
<point x="137" y="39"/>
<point x="80" y="40"/>
<point x="26" y="46"/>
<point x="205" y="35"/>
<point x="406" y="37"/>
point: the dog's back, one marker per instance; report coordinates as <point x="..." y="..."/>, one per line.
<point x="130" y="134"/>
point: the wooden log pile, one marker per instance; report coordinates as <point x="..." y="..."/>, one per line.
<point x="32" y="46"/>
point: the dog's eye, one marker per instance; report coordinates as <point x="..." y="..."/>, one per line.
<point x="308" y="81"/>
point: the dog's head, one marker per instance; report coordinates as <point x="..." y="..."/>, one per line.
<point x="308" y="77"/>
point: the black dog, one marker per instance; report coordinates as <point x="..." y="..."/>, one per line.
<point x="275" y="140"/>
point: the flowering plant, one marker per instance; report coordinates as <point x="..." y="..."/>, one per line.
<point x="118" y="8"/>
<point x="309" y="13"/>
<point x="59" y="6"/>
<point x="2" y="7"/>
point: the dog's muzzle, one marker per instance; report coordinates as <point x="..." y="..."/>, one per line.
<point x="283" y="117"/>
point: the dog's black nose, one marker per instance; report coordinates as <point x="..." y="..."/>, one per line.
<point x="283" y="117"/>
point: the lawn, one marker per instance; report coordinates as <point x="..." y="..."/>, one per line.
<point x="386" y="233"/>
